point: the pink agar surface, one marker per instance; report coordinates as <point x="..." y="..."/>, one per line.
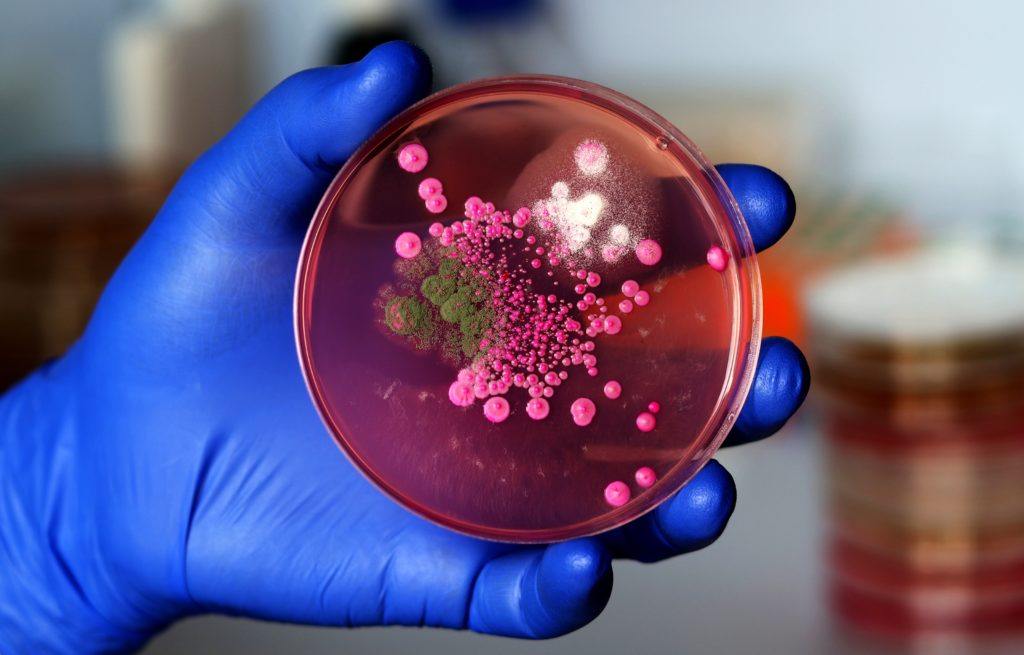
<point x="489" y="371"/>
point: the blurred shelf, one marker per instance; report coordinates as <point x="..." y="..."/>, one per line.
<point x="63" y="231"/>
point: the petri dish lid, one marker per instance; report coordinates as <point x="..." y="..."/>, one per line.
<point x="528" y="309"/>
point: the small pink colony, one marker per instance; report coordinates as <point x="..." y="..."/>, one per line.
<point x="537" y="408"/>
<point x="436" y="204"/>
<point x="612" y="389"/>
<point x="641" y="298"/>
<point x="648" y="252"/>
<point x="645" y="476"/>
<point x="429" y="188"/>
<point x="412" y="158"/>
<point x="612" y="324"/>
<point x="435" y="229"/>
<point x="408" y="245"/>
<point x="496" y="409"/>
<point x="654" y="407"/>
<point x="646" y="421"/>
<point x="616" y="494"/>
<point x="626" y="306"/>
<point x="718" y="259"/>
<point x="461" y="393"/>
<point x="629" y="288"/>
<point x="583" y="411"/>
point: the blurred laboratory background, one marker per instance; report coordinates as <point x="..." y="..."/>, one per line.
<point x="888" y="517"/>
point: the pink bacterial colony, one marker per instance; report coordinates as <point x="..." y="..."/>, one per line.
<point x="532" y="341"/>
<point x="717" y="258"/>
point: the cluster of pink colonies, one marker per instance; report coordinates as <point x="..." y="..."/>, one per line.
<point x="534" y="339"/>
<point x="432" y="193"/>
<point x="645" y="421"/>
<point x="413" y="158"/>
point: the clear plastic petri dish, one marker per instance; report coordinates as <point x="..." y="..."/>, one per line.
<point x="528" y="309"/>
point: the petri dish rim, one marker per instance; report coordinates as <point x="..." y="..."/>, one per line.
<point x="746" y="288"/>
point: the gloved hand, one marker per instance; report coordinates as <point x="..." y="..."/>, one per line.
<point x="171" y="463"/>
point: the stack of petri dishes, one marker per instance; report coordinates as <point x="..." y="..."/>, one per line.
<point x="919" y="367"/>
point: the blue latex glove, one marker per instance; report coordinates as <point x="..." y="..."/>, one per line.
<point x="171" y="463"/>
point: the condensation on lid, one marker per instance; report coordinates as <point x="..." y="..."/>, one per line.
<point x="935" y="295"/>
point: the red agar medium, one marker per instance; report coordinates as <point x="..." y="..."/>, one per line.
<point x="501" y="289"/>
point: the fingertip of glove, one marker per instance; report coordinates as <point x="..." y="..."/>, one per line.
<point x="698" y="514"/>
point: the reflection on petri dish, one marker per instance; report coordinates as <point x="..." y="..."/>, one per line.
<point x="528" y="309"/>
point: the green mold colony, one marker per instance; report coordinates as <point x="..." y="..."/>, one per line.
<point x="453" y="295"/>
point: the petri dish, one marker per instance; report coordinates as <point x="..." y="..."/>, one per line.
<point x="528" y="309"/>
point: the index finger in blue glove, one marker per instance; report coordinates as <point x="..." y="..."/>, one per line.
<point x="765" y="199"/>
